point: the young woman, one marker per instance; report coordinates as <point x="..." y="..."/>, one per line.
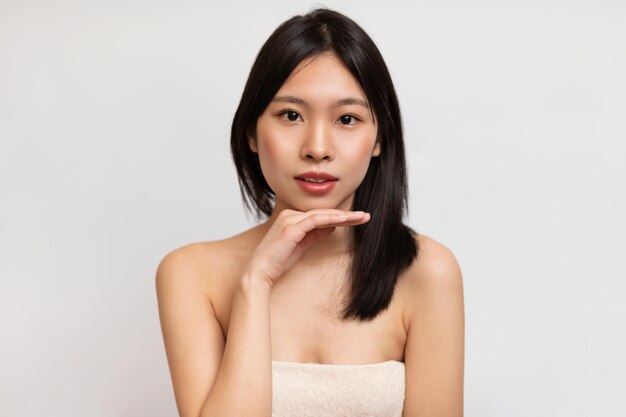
<point x="332" y="306"/>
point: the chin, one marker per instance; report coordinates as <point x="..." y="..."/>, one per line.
<point x="315" y="204"/>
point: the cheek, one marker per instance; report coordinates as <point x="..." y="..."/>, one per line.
<point x="270" y="148"/>
<point x="273" y="152"/>
<point x="271" y="143"/>
<point x="360" y="153"/>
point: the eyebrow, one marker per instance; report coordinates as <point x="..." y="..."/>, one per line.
<point x="342" y="102"/>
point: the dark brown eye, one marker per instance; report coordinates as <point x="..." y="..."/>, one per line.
<point x="292" y="116"/>
<point x="347" y="119"/>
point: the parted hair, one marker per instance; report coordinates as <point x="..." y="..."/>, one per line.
<point x="385" y="246"/>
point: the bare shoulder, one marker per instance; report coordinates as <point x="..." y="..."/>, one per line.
<point x="186" y="259"/>
<point x="435" y="323"/>
<point x="434" y="276"/>
<point x="435" y="265"/>
<point x="201" y="266"/>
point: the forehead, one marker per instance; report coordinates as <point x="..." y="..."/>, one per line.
<point x="322" y="77"/>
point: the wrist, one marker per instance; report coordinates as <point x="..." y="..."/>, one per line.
<point x="252" y="283"/>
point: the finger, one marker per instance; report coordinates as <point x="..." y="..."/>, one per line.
<point x="292" y="216"/>
<point x="296" y="232"/>
<point x="350" y="221"/>
<point x="331" y="219"/>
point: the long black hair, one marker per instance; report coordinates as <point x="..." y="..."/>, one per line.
<point x="383" y="247"/>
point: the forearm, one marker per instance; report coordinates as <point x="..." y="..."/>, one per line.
<point x="243" y="385"/>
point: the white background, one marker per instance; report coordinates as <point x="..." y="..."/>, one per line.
<point x="114" y="132"/>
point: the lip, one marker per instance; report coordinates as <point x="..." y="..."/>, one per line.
<point x="316" y="188"/>
<point x="316" y="176"/>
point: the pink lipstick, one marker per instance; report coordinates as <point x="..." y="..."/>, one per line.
<point x="318" y="183"/>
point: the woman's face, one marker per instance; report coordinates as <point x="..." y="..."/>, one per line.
<point x="316" y="137"/>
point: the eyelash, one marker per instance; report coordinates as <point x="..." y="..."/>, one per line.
<point x="354" y="119"/>
<point x="285" y="112"/>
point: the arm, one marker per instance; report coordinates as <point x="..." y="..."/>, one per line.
<point x="233" y="377"/>
<point x="212" y="377"/>
<point x="434" y="353"/>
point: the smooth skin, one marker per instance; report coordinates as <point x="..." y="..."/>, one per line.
<point x="230" y="307"/>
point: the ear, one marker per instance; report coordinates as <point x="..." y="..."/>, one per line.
<point x="376" y="151"/>
<point x="252" y="143"/>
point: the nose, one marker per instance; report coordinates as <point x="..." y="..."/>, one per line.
<point x="318" y="143"/>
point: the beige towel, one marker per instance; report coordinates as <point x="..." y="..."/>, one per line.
<point x="317" y="390"/>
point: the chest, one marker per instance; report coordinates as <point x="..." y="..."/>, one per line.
<point x="307" y="325"/>
<point x="305" y="333"/>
